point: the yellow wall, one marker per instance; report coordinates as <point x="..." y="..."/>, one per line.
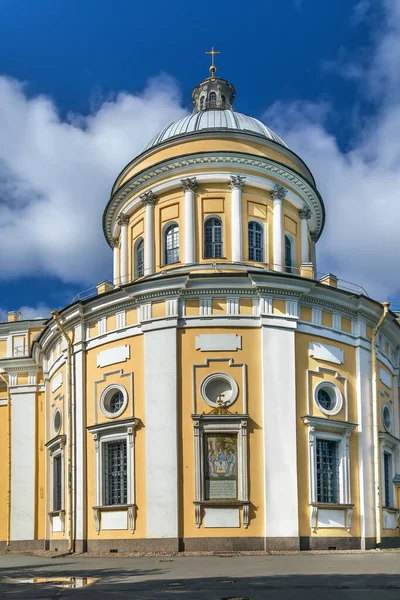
<point x="187" y="355"/>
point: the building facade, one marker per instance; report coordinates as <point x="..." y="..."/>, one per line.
<point x="218" y="394"/>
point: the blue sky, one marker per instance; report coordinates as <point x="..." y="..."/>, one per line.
<point x="84" y="85"/>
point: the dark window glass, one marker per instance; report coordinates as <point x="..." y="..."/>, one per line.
<point x="256" y="245"/>
<point x="212" y="97"/>
<point x="139" y="259"/>
<point x="327" y="471"/>
<point x="202" y="103"/>
<point x="325" y="400"/>
<point x="57" y="482"/>
<point x="116" y="401"/>
<point x="115" y="473"/>
<point x="171" y="244"/>
<point x="213" y="238"/>
<point x="288" y="255"/>
<point x="387" y="467"/>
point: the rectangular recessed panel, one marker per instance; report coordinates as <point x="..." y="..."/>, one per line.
<point x="209" y="342"/>
<point x="221" y="517"/>
<point x="331" y="518"/>
<point x="116" y="519"/>
<point x="326" y="352"/>
<point x="112" y="356"/>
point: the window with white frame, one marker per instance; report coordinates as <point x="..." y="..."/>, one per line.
<point x="289" y="254"/>
<point x="329" y="443"/>
<point x="256" y="241"/>
<point x="114" y="450"/>
<point x="388" y="480"/>
<point x="57" y="482"/>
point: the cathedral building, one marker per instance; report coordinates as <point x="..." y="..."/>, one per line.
<point x="218" y="394"/>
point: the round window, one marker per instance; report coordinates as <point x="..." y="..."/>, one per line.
<point x="57" y="421"/>
<point x="328" y="398"/>
<point x="219" y="387"/>
<point x="387" y="417"/>
<point x="113" y="401"/>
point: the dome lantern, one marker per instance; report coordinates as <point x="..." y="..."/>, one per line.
<point x="213" y="93"/>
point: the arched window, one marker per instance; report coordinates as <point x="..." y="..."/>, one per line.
<point x="223" y="99"/>
<point x="139" y="258"/>
<point x="213" y="238"/>
<point x="212" y="98"/>
<point x="171" y="244"/>
<point x="289" y="266"/>
<point x="256" y="242"/>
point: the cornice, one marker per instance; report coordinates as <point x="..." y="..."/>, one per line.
<point x="227" y="159"/>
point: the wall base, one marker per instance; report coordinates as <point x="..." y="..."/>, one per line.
<point x="135" y="545"/>
<point x="330" y="543"/>
<point x="23" y="545"/>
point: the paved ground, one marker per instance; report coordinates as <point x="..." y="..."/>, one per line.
<point x="370" y="576"/>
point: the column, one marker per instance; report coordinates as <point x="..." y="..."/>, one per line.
<point x="123" y="221"/>
<point x="149" y="200"/>
<point x="23" y="462"/>
<point x="304" y="214"/>
<point x="190" y="186"/>
<point x="279" y="432"/>
<point x="236" y="183"/>
<point x="365" y="447"/>
<point x="162" y="467"/>
<point x="79" y="454"/>
<point x="115" y="247"/>
<point x="314" y="238"/>
<point x="278" y="194"/>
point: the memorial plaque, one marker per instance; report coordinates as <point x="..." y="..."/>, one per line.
<point x="220" y="466"/>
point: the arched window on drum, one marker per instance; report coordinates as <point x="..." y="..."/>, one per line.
<point x="139" y="258"/>
<point x="213" y="241"/>
<point x="290" y="254"/>
<point x="171" y="244"/>
<point x="256" y="241"/>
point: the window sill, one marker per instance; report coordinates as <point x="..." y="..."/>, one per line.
<point x="56" y="513"/>
<point x="390" y="509"/>
<point x="327" y="505"/>
<point x="221" y="502"/>
<point x="111" y="507"/>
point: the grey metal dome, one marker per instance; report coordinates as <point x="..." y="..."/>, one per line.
<point x="212" y="120"/>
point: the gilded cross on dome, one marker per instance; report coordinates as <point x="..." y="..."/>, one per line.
<point x="213" y="68"/>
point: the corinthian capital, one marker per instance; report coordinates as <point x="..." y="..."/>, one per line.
<point x="313" y="236"/>
<point x="278" y="192"/>
<point x="114" y="242"/>
<point x="189" y="184"/>
<point x="148" y="198"/>
<point x="237" y="182"/>
<point x="123" y="220"/>
<point x="305" y="213"/>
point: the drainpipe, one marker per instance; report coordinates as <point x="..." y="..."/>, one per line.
<point x="69" y="437"/>
<point x="375" y="425"/>
<point x="8" y="459"/>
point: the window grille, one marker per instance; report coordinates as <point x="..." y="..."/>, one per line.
<point x="213" y="238"/>
<point x="288" y="255"/>
<point x="387" y="467"/>
<point x="327" y="471"/>
<point x="115" y="472"/>
<point x="116" y="401"/>
<point x="172" y="244"/>
<point x="256" y="245"/>
<point x="139" y="259"/>
<point x="57" y="482"/>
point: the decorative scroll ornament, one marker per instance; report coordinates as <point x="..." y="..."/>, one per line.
<point x="237" y="182"/>
<point x="279" y="192"/>
<point x="305" y="213"/>
<point x="313" y="236"/>
<point x="114" y="242"/>
<point x="189" y="184"/>
<point x="123" y="220"/>
<point x="148" y="198"/>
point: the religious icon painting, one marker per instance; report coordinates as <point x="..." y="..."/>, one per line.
<point x="220" y="466"/>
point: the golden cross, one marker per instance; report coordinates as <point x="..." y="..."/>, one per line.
<point x="213" y="68"/>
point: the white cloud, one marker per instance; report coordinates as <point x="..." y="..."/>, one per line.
<point x="29" y="312"/>
<point x="56" y="176"/>
<point x="360" y="186"/>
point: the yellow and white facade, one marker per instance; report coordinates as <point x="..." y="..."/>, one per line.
<point x="217" y="395"/>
